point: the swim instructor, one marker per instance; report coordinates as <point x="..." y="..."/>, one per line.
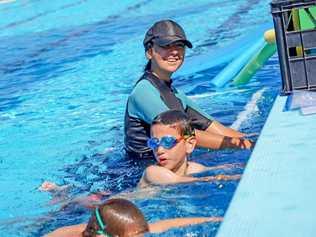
<point x="165" y="44"/>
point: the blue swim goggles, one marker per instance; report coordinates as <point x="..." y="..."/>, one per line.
<point x="101" y="225"/>
<point x="166" y="142"/>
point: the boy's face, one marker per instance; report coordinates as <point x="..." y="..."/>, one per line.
<point x="174" y="157"/>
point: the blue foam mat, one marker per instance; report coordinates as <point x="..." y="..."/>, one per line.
<point x="276" y="195"/>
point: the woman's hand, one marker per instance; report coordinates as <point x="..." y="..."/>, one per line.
<point x="235" y="142"/>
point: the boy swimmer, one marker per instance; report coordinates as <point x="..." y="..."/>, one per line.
<point x="172" y="140"/>
<point x="121" y="218"/>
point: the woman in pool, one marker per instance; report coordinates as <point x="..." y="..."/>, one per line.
<point x="165" y="44"/>
<point x="121" y="218"/>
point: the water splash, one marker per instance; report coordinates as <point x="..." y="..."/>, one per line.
<point x="250" y="108"/>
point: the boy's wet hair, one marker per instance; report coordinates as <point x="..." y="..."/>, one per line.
<point x="177" y="118"/>
<point x="120" y="218"/>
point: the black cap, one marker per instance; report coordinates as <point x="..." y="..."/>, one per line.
<point x="165" y="32"/>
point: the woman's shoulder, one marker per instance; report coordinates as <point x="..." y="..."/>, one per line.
<point x="144" y="89"/>
<point x="143" y="85"/>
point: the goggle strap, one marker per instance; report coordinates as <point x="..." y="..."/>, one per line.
<point x="99" y="219"/>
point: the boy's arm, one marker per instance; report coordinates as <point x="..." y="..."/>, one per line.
<point x="52" y="187"/>
<point x="221" y="177"/>
<point x="164" y="225"/>
<point x="195" y="167"/>
<point x="67" y="231"/>
<point x="155" y="174"/>
<point x="159" y="175"/>
<point x="224" y="166"/>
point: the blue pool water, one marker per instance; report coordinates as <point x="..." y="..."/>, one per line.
<point x="66" y="69"/>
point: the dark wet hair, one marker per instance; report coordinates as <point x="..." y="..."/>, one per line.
<point x="120" y="217"/>
<point x="175" y="117"/>
<point x="148" y="65"/>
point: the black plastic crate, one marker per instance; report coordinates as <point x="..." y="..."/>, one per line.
<point x="295" y="28"/>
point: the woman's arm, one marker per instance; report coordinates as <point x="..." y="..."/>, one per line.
<point x="218" y="128"/>
<point x="212" y="140"/>
<point x="68" y="231"/>
<point x="212" y="134"/>
<point x="165" y="225"/>
<point x="205" y="122"/>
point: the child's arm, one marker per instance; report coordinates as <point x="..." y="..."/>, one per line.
<point x="164" y="225"/>
<point x="159" y="175"/>
<point x="155" y="174"/>
<point x="52" y="187"/>
<point x="195" y="167"/>
<point x="221" y="177"/>
<point x="224" y="166"/>
<point x="68" y="231"/>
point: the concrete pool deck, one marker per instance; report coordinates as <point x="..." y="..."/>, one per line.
<point x="276" y="195"/>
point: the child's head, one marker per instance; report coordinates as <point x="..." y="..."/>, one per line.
<point x="116" y="217"/>
<point x="175" y="119"/>
<point x="172" y="139"/>
<point x="165" y="45"/>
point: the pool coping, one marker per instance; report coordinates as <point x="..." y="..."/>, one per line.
<point x="275" y="196"/>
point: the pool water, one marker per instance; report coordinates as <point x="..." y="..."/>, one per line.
<point x="66" y="70"/>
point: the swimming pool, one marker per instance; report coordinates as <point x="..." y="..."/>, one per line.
<point x="66" y="70"/>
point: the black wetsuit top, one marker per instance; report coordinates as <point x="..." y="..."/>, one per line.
<point x="150" y="97"/>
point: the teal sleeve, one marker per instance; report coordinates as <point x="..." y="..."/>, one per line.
<point x="189" y="103"/>
<point x="145" y="102"/>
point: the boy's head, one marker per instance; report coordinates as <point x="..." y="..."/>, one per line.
<point x="116" y="217"/>
<point x="176" y="119"/>
<point x="172" y="139"/>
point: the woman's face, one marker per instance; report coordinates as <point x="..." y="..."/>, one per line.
<point x="167" y="59"/>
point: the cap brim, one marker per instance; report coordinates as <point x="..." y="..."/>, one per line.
<point x="171" y="40"/>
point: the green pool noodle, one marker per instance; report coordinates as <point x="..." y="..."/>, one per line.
<point x="255" y="63"/>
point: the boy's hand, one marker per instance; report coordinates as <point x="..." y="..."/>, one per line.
<point x="48" y="186"/>
<point x="228" y="177"/>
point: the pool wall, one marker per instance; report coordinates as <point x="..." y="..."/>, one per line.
<point x="275" y="196"/>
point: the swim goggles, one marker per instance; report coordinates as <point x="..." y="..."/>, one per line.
<point x="166" y="142"/>
<point x="101" y="225"/>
